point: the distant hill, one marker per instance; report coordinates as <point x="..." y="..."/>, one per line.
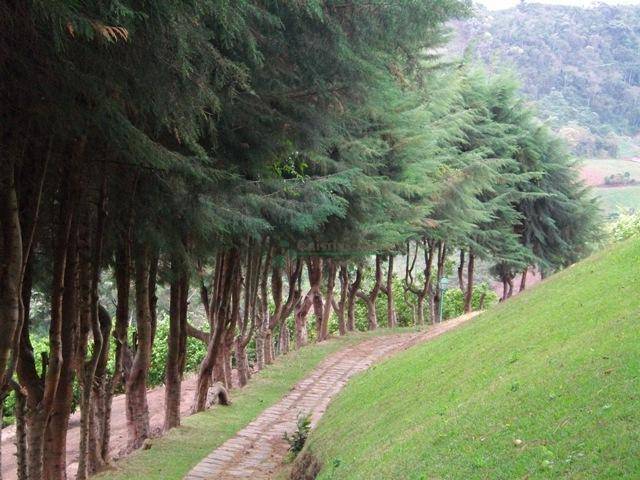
<point x="581" y="65"/>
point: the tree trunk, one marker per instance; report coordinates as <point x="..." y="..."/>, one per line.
<point x="242" y="361"/>
<point x="268" y="347"/>
<point x="372" y="316"/>
<point x="301" y="320"/>
<point x="100" y="420"/>
<point x="420" y="310"/>
<point x="55" y="452"/>
<point x="469" y="293"/>
<point x="425" y="291"/>
<point x="440" y="272"/>
<point x="173" y="376"/>
<point x="42" y="395"/>
<point x="523" y="280"/>
<point x="461" y="271"/>
<point x="328" y="301"/>
<point x="284" y="338"/>
<point x="392" y="320"/>
<point x="136" y="385"/>
<point x="219" y="318"/>
<point x="341" y="305"/>
<point x="99" y="323"/>
<point x="370" y="299"/>
<point x="510" y="283"/>
<point x="21" y="434"/>
<point x="351" y="300"/>
<point x="36" y="426"/>
<point x="11" y="252"/>
<point x="260" y="348"/>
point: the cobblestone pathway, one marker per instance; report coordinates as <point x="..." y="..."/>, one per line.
<point x="257" y="450"/>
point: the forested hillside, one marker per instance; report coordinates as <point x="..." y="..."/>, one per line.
<point x="582" y="66"/>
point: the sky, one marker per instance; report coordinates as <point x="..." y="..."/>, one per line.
<point x="500" y="4"/>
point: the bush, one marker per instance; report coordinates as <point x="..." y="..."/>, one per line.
<point x="297" y="440"/>
<point x="626" y="226"/>
<point x="453" y="305"/>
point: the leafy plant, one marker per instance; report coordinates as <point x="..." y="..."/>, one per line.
<point x="297" y="440"/>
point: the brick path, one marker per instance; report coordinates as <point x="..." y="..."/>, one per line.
<point x="257" y="450"/>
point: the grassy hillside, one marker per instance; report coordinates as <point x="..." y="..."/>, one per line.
<point x="544" y="386"/>
<point x="612" y="199"/>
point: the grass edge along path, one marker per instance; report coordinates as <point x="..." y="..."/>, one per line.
<point x="175" y="453"/>
<point x="546" y="385"/>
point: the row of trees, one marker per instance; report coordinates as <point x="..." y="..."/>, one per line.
<point x="277" y="157"/>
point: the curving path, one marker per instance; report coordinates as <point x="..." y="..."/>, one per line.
<point x="257" y="450"/>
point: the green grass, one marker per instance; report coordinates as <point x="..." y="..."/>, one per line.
<point x="612" y="199"/>
<point x="557" y="368"/>
<point x="173" y="456"/>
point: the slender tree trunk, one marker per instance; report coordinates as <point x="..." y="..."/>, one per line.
<point x="469" y="293"/>
<point x="284" y="338"/>
<point x="392" y="320"/>
<point x="341" y="305"/>
<point x="136" y="386"/>
<point x="173" y="376"/>
<point x="21" y="434"/>
<point x="424" y="292"/>
<point x="92" y="398"/>
<point x="36" y="426"/>
<point x="268" y="346"/>
<point x="100" y="421"/>
<point x="370" y="299"/>
<point x="301" y="320"/>
<point x="440" y="272"/>
<point x="226" y="270"/>
<point x="11" y="252"/>
<point x="242" y="363"/>
<point x="40" y="411"/>
<point x="55" y="452"/>
<point x="461" y="271"/>
<point x="420" y="309"/>
<point x="328" y="301"/>
<point x="523" y="280"/>
<point x="351" y="300"/>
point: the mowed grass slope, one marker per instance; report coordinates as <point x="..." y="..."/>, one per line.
<point x="546" y="385"/>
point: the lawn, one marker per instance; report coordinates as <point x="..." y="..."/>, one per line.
<point x="172" y="456"/>
<point x="614" y="198"/>
<point x="544" y="386"/>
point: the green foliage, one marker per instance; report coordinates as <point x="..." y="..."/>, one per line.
<point x="627" y="225"/>
<point x="595" y="73"/>
<point x="483" y="298"/>
<point x="196" y="351"/>
<point x="297" y="440"/>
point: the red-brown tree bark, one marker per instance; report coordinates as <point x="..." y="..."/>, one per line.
<point x="469" y="292"/>
<point x="136" y="384"/>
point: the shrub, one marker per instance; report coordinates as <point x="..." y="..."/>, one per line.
<point x="297" y="440"/>
<point x="627" y="225"/>
<point x="453" y="305"/>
